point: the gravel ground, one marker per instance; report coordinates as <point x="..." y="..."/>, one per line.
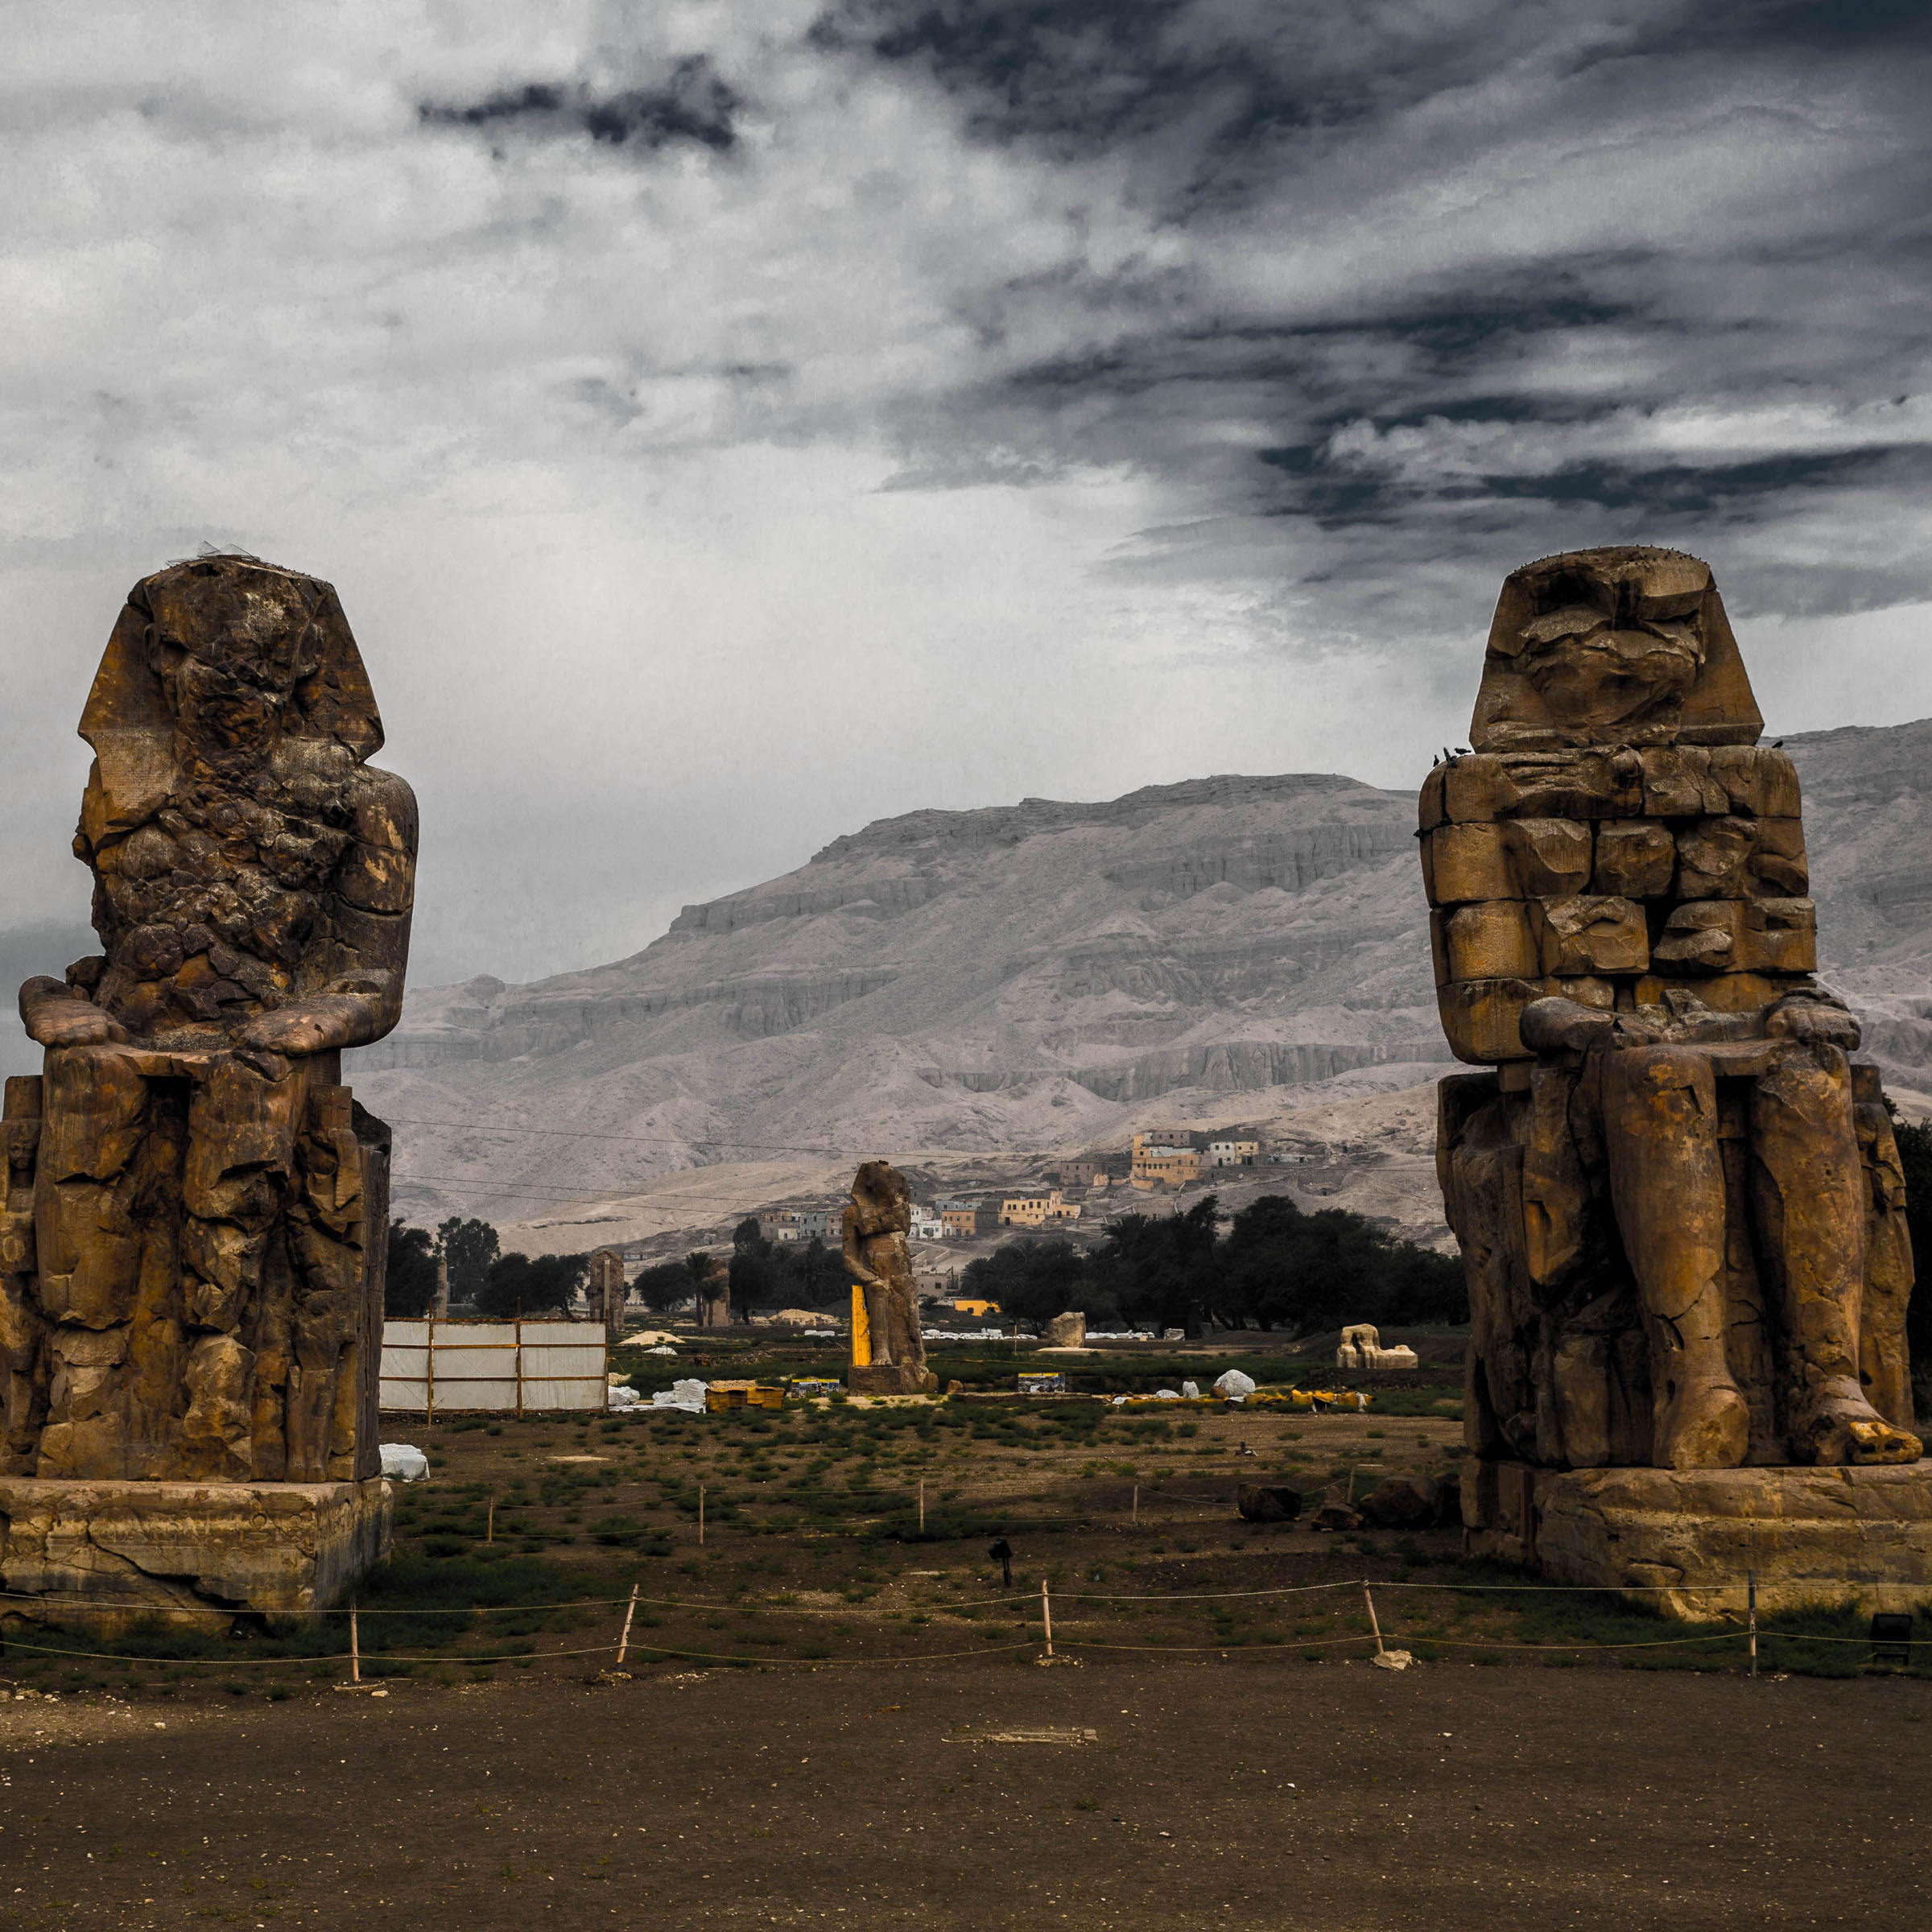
<point x="992" y="1792"/>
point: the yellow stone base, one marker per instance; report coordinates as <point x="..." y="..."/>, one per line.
<point x="199" y="1552"/>
<point x="1687" y="1541"/>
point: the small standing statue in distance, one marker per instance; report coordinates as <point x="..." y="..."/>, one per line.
<point x="877" y="1219"/>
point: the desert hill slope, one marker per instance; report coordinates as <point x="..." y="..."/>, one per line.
<point x="945" y="987"/>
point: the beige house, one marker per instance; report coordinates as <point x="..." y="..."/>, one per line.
<point x="1156" y="1165"/>
<point x="1036" y="1210"/>
<point x="1234" y="1154"/>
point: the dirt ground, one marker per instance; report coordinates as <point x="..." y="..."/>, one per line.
<point x="1181" y="1794"/>
<point x="884" y="1750"/>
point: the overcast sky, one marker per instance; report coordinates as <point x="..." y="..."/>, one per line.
<point x="729" y="423"/>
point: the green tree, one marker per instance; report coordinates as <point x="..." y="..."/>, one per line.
<point x="665" y="1285"/>
<point x="516" y="1284"/>
<point x="1035" y="1280"/>
<point x="468" y="1250"/>
<point x="812" y="1275"/>
<point x="1159" y="1268"/>
<point x="752" y="1276"/>
<point x="409" y="1284"/>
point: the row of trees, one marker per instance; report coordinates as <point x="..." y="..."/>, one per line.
<point x="761" y="1274"/>
<point x="481" y="1275"/>
<point x="1276" y="1267"/>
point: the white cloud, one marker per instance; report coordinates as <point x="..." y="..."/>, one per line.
<point x="924" y="444"/>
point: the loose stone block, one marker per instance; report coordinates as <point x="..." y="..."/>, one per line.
<point x="1714" y="858"/>
<point x="1741" y="935"/>
<point x="1759" y="780"/>
<point x="1778" y="866"/>
<point x="1548" y="856"/>
<point x="1636" y="859"/>
<point x="1490" y="941"/>
<point x="1482" y="1019"/>
<point x="1462" y="864"/>
<point x="1678" y="783"/>
<point x="1588" y="934"/>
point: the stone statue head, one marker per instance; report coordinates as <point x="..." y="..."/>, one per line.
<point x="1628" y="644"/>
<point x="234" y="834"/>
<point x="884" y="1201"/>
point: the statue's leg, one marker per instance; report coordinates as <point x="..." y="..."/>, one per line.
<point x="1667" y="1186"/>
<point x="1884" y="1360"/>
<point x="98" y="1236"/>
<point x="1808" y="1194"/>
<point x="878" y="1319"/>
<point x="23" y="1361"/>
<point x="238" y="1287"/>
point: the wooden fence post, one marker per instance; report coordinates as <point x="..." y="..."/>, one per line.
<point x="1047" y="1615"/>
<point x="1374" y="1623"/>
<point x="630" y="1610"/>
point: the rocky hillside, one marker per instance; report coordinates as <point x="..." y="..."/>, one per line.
<point x="1045" y="976"/>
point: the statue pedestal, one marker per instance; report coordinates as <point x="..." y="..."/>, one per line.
<point x="890" y="1378"/>
<point x="1687" y="1539"/>
<point x="184" y="1552"/>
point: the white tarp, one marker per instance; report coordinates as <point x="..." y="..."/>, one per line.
<point x="687" y="1395"/>
<point x="493" y="1366"/>
<point x="405" y="1462"/>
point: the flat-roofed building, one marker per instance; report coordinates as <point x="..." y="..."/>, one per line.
<point x="1036" y="1210"/>
<point x="1156" y="1165"/>
<point x="1233" y="1154"/>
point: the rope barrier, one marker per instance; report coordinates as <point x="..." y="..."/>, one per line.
<point x="128" y="1605"/>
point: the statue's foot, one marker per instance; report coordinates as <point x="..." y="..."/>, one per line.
<point x="1841" y="1427"/>
<point x="1707" y="1425"/>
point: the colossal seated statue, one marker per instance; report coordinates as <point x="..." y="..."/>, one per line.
<point x="889" y="1352"/>
<point x="1679" y="1201"/>
<point x="192" y="1237"/>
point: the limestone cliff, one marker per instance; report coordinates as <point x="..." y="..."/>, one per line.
<point x="1048" y="976"/>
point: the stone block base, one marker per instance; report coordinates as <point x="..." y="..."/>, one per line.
<point x="890" y="1378"/>
<point x="1686" y="1541"/>
<point x="197" y="1552"/>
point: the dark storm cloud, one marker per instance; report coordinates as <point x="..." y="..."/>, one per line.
<point x="1473" y="279"/>
<point x="692" y="103"/>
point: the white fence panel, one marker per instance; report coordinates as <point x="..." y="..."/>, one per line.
<point x="494" y="1367"/>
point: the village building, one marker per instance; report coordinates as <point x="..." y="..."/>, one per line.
<point x="961" y="1220"/>
<point x="1234" y="1154"/>
<point x="1156" y="1165"/>
<point x="1035" y="1210"/>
